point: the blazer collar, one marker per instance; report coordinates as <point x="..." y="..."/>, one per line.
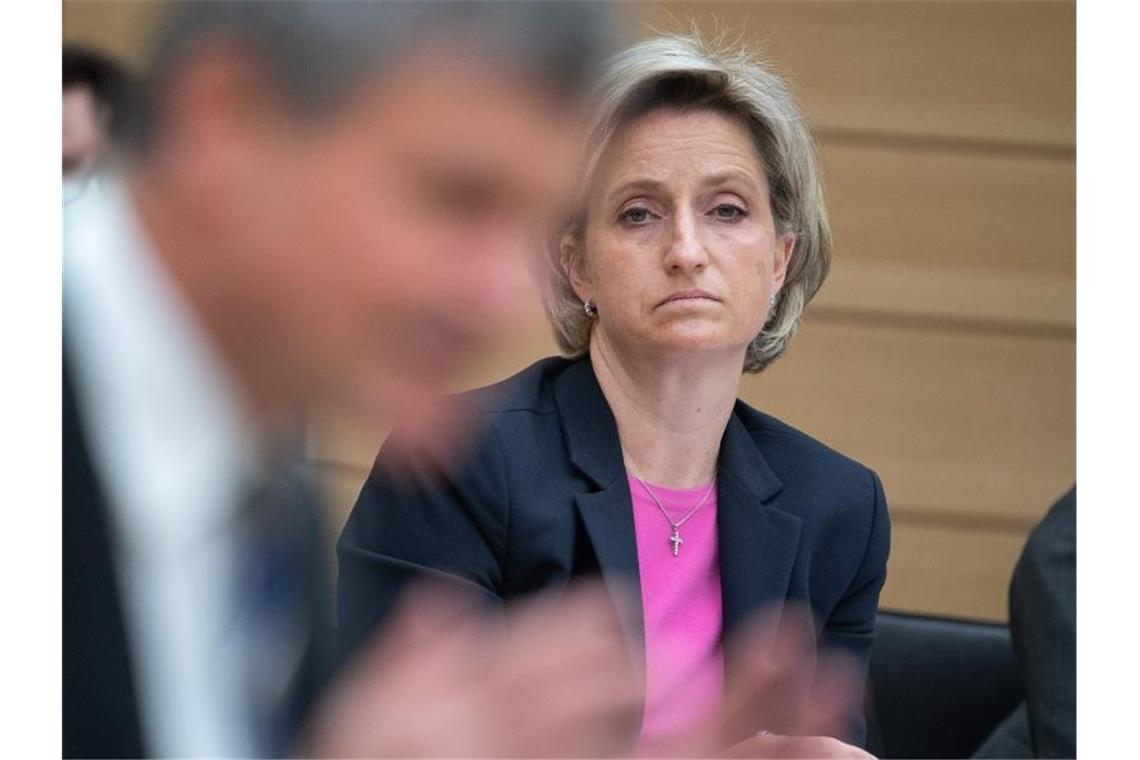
<point x="595" y="449"/>
<point x="592" y="439"/>
<point x="589" y="425"/>
<point x="758" y="541"/>
<point x="741" y="460"/>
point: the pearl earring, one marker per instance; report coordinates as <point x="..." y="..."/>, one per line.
<point x="590" y="309"/>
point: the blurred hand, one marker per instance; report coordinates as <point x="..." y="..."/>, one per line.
<point x="782" y="686"/>
<point x="777" y="745"/>
<point x="443" y="681"/>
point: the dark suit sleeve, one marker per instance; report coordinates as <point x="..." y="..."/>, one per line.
<point x="851" y="626"/>
<point x="421" y="517"/>
<point x="1043" y="625"/>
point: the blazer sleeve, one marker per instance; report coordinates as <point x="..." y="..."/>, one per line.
<point x="851" y="626"/>
<point x="417" y="517"/>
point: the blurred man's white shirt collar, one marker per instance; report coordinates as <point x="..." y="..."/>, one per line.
<point x="168" y="435"/>
<point x="80" y="184"/>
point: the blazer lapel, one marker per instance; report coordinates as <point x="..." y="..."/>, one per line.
<point x="758" y="542"/>
<point x="606" y="512"/>
<point x="608" y="520"/>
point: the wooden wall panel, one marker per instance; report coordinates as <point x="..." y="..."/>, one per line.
<point x="972" y="425"/>
<point x="960" y="70"/>
<point x="339" y="486"/>
<point x="954" y="299"/>
<point x="946" y="210"/>
<point x="943" y="234"/>
<point x="982" y="71"/>
<point x="120" y="27"/>
<point x="956" y="571"/>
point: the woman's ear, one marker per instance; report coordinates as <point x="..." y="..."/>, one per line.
<point x="785" y="245"/>
<point x="574" y="264"/>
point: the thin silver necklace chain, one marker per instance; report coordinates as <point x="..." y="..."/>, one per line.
<point x="675" y="539"/>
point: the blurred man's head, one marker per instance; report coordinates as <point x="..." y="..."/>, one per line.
<point x="94" y="93"/>
<point x="350" y="192"/>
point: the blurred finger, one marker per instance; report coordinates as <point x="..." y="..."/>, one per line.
<point x="836" y="695"/>
<point x="568" y="670"/>
<point x="782" y="746"/>
<point x="773" y="664"/>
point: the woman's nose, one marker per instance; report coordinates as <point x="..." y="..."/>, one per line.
<point x="686" y="251"/>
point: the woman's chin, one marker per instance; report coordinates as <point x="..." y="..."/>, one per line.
<point x="697" y="339"/>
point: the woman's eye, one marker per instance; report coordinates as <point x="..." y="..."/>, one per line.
<point x="635" y="215"/>
<point x="729" y="212"/>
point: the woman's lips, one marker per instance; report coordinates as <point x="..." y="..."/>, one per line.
<point x="688" y="295"/>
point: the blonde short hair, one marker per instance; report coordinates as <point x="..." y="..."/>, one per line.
<point x="685" y="73"/>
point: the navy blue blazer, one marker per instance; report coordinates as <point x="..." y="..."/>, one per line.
<point x="542" y="498"/>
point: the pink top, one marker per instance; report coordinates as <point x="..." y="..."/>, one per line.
<point x="680" y="597"/>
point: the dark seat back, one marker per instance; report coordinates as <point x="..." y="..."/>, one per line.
<point x="938" y="686"/>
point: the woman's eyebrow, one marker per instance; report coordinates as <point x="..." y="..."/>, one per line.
<point x="645" y="184"/>
<point x="719" y="178"/>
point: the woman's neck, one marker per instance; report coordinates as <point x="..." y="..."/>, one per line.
<point x="671" y="413"/>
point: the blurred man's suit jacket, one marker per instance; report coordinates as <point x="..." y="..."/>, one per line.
<point x="1043" y="626"/>
<point x="159" y="484"/>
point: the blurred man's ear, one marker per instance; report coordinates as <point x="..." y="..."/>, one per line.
<point x="220" y="104"/>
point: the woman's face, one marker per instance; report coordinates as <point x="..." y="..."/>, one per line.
<point x="681" y="252"/>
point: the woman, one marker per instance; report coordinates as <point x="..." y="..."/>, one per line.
<point x="701" y="238"/>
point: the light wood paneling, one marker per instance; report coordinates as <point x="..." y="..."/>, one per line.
<point x="936" y="233"/>
<point x="984" y="71"/>
<point x="339" y="485"/>
<point x="959" y="572"/>
<point x="975" y="425"/>
<point x="120" y="27"/>
<point x="981" y="71"/>
<point x="945" y="210"/>
<point x="1000" y="303"/>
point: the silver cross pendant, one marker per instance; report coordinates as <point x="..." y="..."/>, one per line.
<point x="676" y="540"/>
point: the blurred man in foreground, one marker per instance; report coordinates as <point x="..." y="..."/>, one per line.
<point x="322" y="204"/>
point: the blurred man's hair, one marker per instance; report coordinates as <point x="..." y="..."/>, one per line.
<point x="315" y="53"/>
<point x="107" y="79"/>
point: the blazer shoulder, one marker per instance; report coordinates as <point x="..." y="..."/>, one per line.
<point x="784" y="445"/>
<point x="488" y="417"/>
<point x="841" y="500"/>
<point x="531" y="390"/>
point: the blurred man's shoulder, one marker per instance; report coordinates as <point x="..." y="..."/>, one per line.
<point x="530" y="390"/>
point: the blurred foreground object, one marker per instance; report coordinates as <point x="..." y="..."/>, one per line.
<point x="550" y="679"/>
<point x="787" y="697"/>
<point x="318" y="204"/>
